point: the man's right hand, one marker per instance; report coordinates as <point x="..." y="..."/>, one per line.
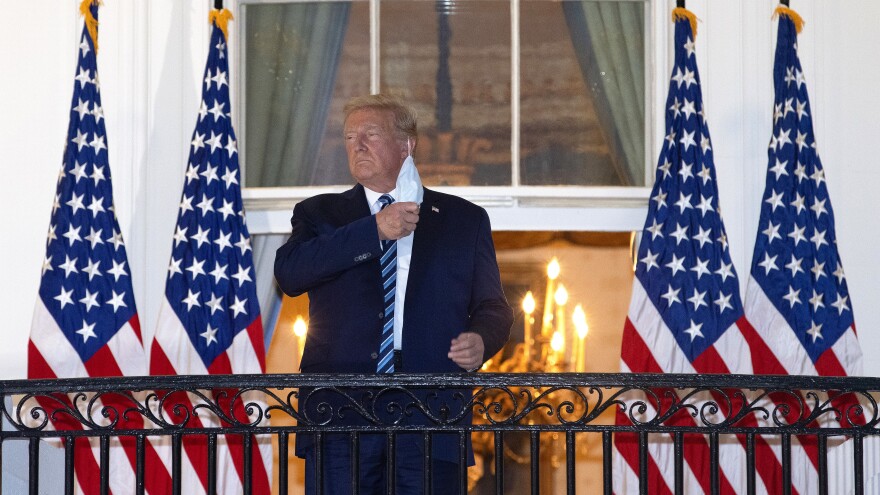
<point x="397" y="220"/>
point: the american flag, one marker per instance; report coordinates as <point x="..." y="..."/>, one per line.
<point x="797" y="298"/>
<point x="209" y="321"/>
<point x="685" y="314"/>
<point x="85" y="320"/>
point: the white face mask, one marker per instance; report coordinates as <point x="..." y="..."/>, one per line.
<point x="409" y="184"/>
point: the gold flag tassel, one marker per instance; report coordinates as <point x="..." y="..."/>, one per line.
<point x="91" y="22"/>
<point x="681" y="13"/>
<point x="794" y="16"/>
<point x="221" y="18"/>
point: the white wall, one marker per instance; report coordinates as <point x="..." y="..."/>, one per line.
<point x="840" y="54"/>
<point x="153" y="53"/>
<point x="151" y="59"/>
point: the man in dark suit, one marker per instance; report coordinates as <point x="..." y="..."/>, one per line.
<point x="447" y="308"/>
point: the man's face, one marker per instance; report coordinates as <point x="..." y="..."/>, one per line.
<point x="375" y="151"/>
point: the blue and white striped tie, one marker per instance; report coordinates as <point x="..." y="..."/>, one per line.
<point x="389" y="287"/>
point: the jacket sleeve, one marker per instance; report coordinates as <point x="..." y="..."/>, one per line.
<point x="490" y="315"/>
<point x="318" y="251"/>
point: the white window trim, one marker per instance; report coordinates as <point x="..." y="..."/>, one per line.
<point x="515" y="207"/>
<point x="510" y="208"/>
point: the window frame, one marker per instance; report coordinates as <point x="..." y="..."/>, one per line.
<point x="513" y="207"/>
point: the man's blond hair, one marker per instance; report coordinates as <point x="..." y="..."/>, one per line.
<point x="404" y="116"/>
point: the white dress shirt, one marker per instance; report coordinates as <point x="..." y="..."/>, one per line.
<point x="404" y="255"/>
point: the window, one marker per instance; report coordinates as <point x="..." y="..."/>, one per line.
<point x="534" y="109"/>
<point x="528" y="103"/>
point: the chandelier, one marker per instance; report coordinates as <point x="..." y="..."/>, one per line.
<point x="555" y="343"/>
<point x="558" y="343"/>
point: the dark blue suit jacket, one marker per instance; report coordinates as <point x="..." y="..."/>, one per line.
<point x="453" y="287"/>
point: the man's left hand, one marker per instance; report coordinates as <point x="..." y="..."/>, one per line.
<point x="467" y="350"/>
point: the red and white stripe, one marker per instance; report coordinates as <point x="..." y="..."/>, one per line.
<point x="50" y="356"/>
<point x="774" y="336"/>
<point x="776" y="350"/>
<point x="649" y="347"/>
<point x="173" y="354"/>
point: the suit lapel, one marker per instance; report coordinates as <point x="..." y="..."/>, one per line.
<point x="424" y="242"/>
<point x="354" y="205"/>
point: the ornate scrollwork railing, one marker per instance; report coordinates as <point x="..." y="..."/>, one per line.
<point x="243" y="404"/>
<point x="717" y="403"/>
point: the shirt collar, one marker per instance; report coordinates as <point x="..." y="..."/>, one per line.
<point x="373" y="197"/>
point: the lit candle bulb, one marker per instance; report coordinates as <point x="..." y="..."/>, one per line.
<point x="299" y="329"/>
<point x="553" y="270"/>
<point x="528" y="306"/>
<point x="579" y="318"/>
<point x="561" y="295"/>
<point x="561" y="298"/>
<point x="557" y="344"/>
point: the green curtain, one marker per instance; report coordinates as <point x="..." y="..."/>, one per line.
<point x="292" y="57"/>
<point x="609" y="40"/>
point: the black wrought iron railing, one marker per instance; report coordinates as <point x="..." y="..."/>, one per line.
<point x="643" y="409"/>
